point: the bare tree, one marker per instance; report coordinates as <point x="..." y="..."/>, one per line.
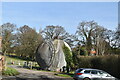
<point x="85" y="30"/>
<point x="118" y="36"/>
<point x="54" y="32"/>
<point x="92" y="36"/>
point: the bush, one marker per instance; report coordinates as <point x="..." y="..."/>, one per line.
<point x="68" y="56"/>
<point x="10" y="72"/>
<point x="109" y="63"/>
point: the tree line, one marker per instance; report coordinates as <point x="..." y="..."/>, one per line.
<point x="24" y="40"/>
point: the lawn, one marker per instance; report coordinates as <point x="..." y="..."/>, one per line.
<point x="17" y="61"/>
<point x="14" y="61"/>
<point x="10" y="72"/>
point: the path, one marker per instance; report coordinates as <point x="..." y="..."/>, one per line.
<point x="26" y="74"/>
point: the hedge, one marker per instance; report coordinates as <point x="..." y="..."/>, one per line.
<point x="108" y="63"/>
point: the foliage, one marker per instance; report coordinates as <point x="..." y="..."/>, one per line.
<point x="10" y="72"/>
<point x="7" y="37"/>
<point x="27" y="41"/>
<point x="89" y="35"/>
<point x="68" y="56"/>
<point x="108" y="63"/>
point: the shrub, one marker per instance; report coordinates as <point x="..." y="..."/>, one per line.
<point x="10" y="72"/>
<point x="68" y="56"/>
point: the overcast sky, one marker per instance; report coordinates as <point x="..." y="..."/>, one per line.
<point x="67" y="14"/>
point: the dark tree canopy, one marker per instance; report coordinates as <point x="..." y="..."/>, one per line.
<point x="7" y="37"/>
<point x="27" y="41"/>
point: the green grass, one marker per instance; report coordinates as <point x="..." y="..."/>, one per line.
<point x="10" y="72"/>
<point x="17" y="61"/>
<point x="64" y="75"/>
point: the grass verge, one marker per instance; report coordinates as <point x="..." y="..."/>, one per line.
<point x="64" y="75"/>
<point x="10" y="72"/>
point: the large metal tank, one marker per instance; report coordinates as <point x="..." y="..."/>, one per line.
<point x="50" y="55"/>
